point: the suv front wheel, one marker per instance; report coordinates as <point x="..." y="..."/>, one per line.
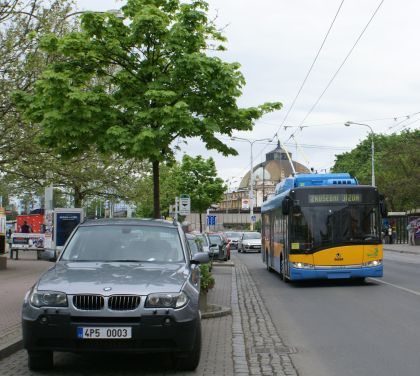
<point x="189" y="360"/>
<point x="40" y="360"/>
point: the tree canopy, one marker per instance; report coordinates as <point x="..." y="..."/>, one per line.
<point x="25" y="166"/>
<point x="133" y="85"/>
<point x="198" y="178"/>
<point x="22" y="25"/>
<point x="397" y="167"/>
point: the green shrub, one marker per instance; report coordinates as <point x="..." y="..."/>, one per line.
<point x="207" y="280"/>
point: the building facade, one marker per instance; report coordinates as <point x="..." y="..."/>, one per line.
<point x="266" y="176"/>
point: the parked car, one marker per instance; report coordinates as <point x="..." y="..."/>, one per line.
<point x="195" y="244"/>
<point x="250" y="242"/>
<point x="233" y="238"/>
<point x="204" y="240"/>
<point x="218" y="244"/>
<point x="125" y="285"/>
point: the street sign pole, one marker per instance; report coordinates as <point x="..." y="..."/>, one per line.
<point x="184" y="204"/>
<point x="176" y="208"/>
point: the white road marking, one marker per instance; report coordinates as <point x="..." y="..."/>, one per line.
<point x="396" y="286"/>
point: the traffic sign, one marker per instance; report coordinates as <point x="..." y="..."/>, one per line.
<point x="253" y="218"/>
<point x="211" y="220"/>
<point x="184" y="204"/>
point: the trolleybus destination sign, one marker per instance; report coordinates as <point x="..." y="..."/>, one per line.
<point x="334" y="198"/>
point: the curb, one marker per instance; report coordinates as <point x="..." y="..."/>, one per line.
<point x="225" y="263"/>
<point x="399" y="251"/>
<point x="217" y="311"/>
<point x="9" y="349"/>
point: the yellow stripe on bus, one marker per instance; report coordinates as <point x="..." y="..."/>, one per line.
<point x="345" y="255"/>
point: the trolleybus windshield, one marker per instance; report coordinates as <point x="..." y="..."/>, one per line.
<point x="329" y="221"/>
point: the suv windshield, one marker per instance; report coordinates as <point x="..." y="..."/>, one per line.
<point x="124" y="243"/>
<point x="192" y="242"/>
<point x="203" y="239"/>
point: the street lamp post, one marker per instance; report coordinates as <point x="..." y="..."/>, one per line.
<point x="347" y="124"/>
<point x="251" y="181"/>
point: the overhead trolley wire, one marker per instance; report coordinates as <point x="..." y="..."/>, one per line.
<point x="333" y="77"/>
<point x="407" y="117"/>
<point x="312" y="65"/>
<point x="308" y="73"/>
<point x="342" y="64"/>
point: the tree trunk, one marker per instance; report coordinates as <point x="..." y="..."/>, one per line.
<point x="201" y="225"/>
<point x="156" y="198"/>
<point x="78" y="198"/>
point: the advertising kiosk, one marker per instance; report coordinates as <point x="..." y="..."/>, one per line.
<point x="65" y="221"/>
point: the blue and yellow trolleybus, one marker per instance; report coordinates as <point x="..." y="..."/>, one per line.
<point x="323" y="226"/>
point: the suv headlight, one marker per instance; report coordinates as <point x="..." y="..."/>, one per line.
<point x="166" y="300"/>
<point x="373" y="263"/>
<point x="48" y="298"/>
<point x="302" y="265"/>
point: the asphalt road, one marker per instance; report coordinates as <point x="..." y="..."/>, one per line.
<point x="345" y="328"/>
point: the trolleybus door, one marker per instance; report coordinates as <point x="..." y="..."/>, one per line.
<point x="286" y="244"/>
<point x="270" y="255"/>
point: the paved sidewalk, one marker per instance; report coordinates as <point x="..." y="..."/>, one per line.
<point x="402" y="248"/>
<point x="18" y="278"/>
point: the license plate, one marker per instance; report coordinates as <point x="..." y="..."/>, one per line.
<point x="104" y="332"/>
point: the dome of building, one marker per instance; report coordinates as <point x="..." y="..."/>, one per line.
<point x="275" y="168"/>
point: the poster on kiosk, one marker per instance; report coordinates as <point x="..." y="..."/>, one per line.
<point x="65" y="220"/>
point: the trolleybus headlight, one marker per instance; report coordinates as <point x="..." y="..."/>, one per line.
<point x="302" y="265"/>
<point x="373" y="263"/>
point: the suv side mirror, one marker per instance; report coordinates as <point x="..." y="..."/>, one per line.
<point x="200" y="258"/>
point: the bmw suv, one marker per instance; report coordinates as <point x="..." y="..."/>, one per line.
<point x="126" y="285"/>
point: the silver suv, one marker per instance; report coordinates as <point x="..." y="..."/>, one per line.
<point x="119" y="285"/>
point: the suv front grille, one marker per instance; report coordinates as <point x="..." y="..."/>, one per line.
<point x="123" y="302"/>
<point x="88" y="302"/>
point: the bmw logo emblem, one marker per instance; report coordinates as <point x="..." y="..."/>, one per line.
<point x="107" y="288"/>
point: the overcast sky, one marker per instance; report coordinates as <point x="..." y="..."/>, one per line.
<point x="276" y="42"/>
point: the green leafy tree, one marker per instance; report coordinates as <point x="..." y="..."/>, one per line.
<point x="397" y="167"/>
<point x="83" y="177"/>
<point x="198" y="178"/>
<point x="143" y="195"/>
<point x="134" y="85"/>
<point x="22" y="24"/>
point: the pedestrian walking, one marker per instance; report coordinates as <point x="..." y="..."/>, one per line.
<point x="390" y="234"/>
<point x="411" y="229"/>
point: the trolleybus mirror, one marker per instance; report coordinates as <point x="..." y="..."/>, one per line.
<point x="383" y="206"/>
<point x="285" y="205"/>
